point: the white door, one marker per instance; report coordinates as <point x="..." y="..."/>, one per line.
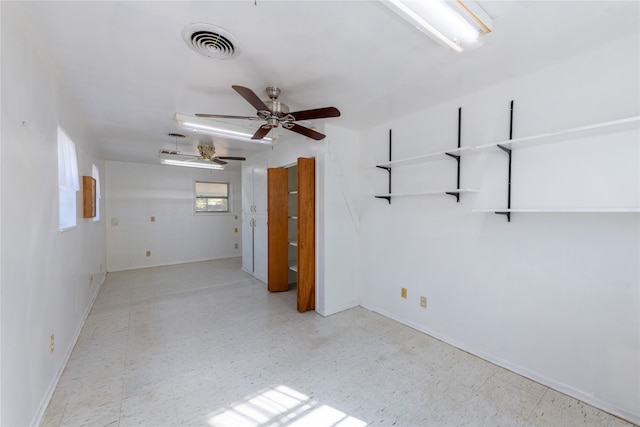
<point x="254" y="221"/>
<point x="260" y="251"/>
<point x="247" y="243"/>
<point x="260" y="190"/>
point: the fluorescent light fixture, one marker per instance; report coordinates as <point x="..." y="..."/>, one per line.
<point x="191" y="164"/>
<point x="456" y="24"/>
<point x="203" y="125"/>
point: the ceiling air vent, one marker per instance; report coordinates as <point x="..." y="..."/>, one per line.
<point x="211" y="41"/>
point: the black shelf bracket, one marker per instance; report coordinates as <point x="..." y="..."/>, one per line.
<point x="508" y="151"/>
<point x="457" y="157"/>
<point x="388" y="169"/>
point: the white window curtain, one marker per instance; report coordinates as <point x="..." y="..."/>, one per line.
<point x="67" y="163"/>
<point x="95" y="173"/>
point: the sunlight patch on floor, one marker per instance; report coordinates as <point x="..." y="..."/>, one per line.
<point x="281" y="406"/>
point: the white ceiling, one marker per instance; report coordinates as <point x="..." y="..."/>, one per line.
<point x="128" y="70"/>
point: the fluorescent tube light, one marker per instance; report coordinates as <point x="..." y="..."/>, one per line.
<point x="202" y="125"/>
<point x="456" y="25"/>
<point x="191" y="164"/>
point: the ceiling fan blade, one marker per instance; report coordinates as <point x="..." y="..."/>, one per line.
<point x="316" y="113"/>
<point x="218" y="161"/>
<point x="306" y="132"/>
<point x="231" y="158"/>
<point x="225" y="116"/>
<point x="251" y="98"/>
<point x="261" y="132"/>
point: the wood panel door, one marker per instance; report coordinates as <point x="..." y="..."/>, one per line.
<point x="306" y="234"/>
<point x="277" y="203"/>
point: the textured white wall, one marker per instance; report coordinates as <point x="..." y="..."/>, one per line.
<point x="552" y="296"/>
<point x="45" y="280"/>
<point x="136" y="192"/>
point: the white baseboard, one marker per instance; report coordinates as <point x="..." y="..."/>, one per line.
<point x="42" y="408"/>
<point x="534" y="376"/>
<point x="335" y="310"/>
<point x="138" y="267"/>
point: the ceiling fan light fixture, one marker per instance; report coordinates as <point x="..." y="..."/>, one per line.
<point x="456" y="24"/>
<point x="199" y="125"/>
<point x="191" y="164"/>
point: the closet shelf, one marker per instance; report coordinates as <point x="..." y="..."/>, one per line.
<point x="293" y="217"/>
<point x="293" y="243"/>
<point x="426" y="157"/>
<point x="566" y="134"/>
<point x="427" y="193"/>
<point x="563" y="210"/>
<point x="293" y="268"/>
<point x="293" y="192"/>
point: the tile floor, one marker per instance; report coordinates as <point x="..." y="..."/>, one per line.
<point x="205" y="344"/>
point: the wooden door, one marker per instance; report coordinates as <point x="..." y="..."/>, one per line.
<point x="306" y="234"/>
<point x="277" y="206"/>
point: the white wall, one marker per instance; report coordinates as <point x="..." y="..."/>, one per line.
<point x="341" y="221"/>
<point x="136" y="192"/>
<point x="554" y="297"/>
<point x="45" y="279"/>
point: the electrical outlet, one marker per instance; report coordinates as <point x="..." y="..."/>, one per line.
<point x="235" y="230"/>
<point x="235" y="246"/>
<point x="148" y="253"/>
<point x="51" y="343"/>
<point x="152" y="219"/>
<point x="423" y="302"/>
<point x="403" y="292"/>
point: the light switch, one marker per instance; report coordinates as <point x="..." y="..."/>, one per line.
<point x="114" y="221"/>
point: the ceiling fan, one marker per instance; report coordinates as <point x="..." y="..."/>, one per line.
<point x="207" y="153"/>
<point x="276" y="113"/>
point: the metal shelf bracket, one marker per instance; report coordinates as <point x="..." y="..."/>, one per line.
<point x="388" y="169"/>
<point x="508" y="151"/>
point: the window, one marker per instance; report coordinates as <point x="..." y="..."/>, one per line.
<point x="68" y="181"/>
<point x="212" y="196"/>
<point x="95" y="173"/>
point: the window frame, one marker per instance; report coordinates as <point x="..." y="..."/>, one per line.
<point x="68" y="182"/>
<point x="95" y="174"/>
<point x="228" y="211"/>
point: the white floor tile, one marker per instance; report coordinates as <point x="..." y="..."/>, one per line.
<point x="205" y="344"/>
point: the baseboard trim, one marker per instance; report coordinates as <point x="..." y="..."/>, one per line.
<point x="519" y="370"/>
<point x="139" y="267"/>
<point x="42" y="408"/>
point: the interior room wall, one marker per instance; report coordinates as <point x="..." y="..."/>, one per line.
<point x="49" y="278"/>
<point x="137" y="192"/>
<point x="552" y="296"/>
<point x="341" y="220"/>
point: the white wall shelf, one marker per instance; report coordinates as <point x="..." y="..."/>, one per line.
<point x="613" y="126"/>
<point x="427" y="157"/>
<point x="564" y="210"/>
<point x="509" y="145"/>
<point x="427" y="193"/>
<point x="455" y="154"/>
